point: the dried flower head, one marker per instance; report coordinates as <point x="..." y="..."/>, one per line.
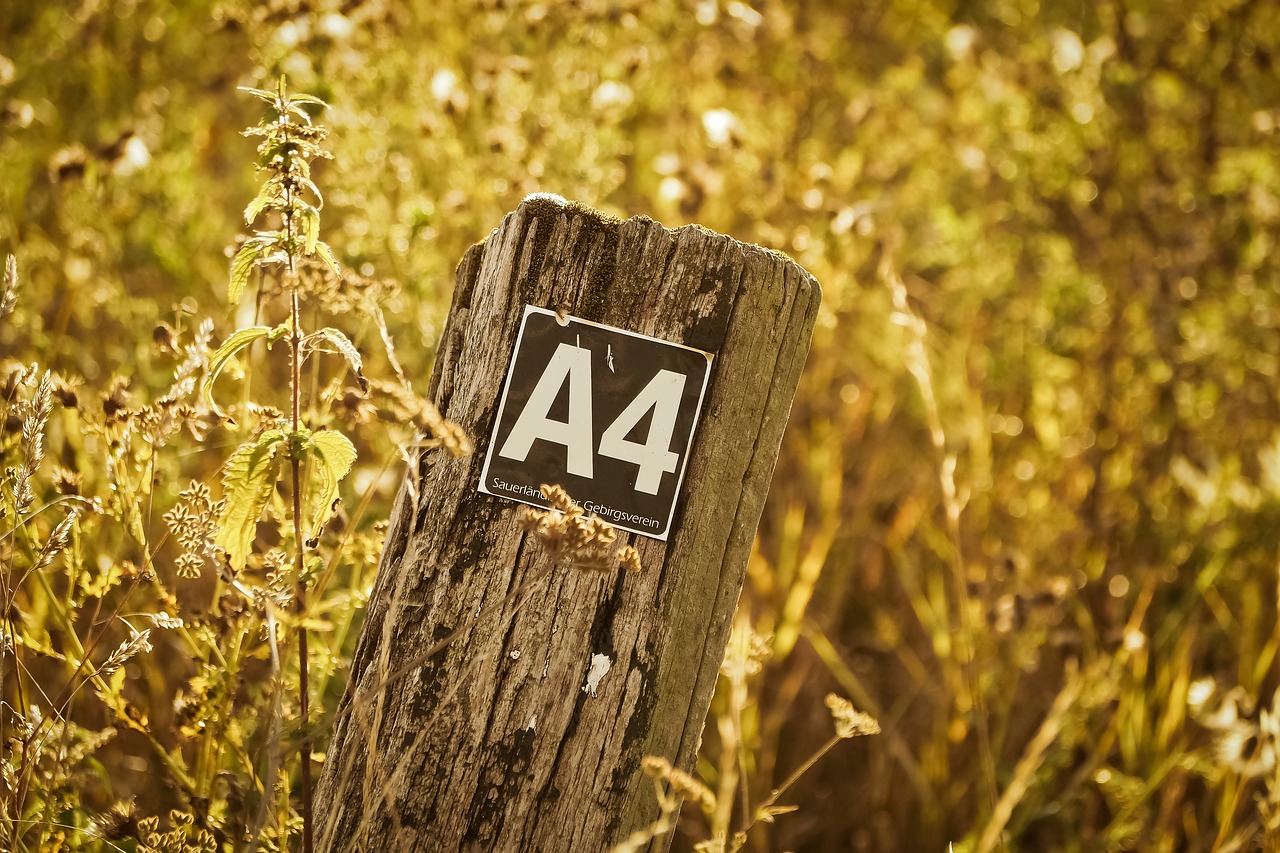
<point x="1199" y="693"/>
<point x="119" y="822"/>
<point x="453" y="438"/>
<point x="115" y="402"/>
<point x="164" y="337"/>
<point x="193" y="521"/>
<point x="747" y="651"/>
<point x="195" y="360"/>
<point x="1219" y="710"/>
<point x="184" y="837"/>
<point x="680" y="782"/>
<point x="583" y="541"/>
<point x="66" y="481"/>
<point x="278" y="591"/>
<point x="1242" y="747"/>
<point x="64" y="391"/>
<point x="629" y="559"/>
<point x="850" y="722"/>
<point x="395" y="400"/>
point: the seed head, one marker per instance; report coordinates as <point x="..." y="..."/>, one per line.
<point x="657" y="767"/>
<point x="585" y="542"/>
<point x="9" y="290"/>
<point x="138" y="641"/>
<point x="850" y="722"/>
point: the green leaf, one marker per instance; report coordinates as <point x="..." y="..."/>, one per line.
<point x="310" y="228"/>
<point x="242" y="265"/>
<point x="330" y="339"/>
<point x="326" y="255"/>
<point x="303" y="98"/>
<point x="298" y="442"/>
<point x="331" y="456"/>
<point x="307" y="183"/>
<point x="300" y="112"/>
<point x="232" y="345"/>
<point x="247" y="483"/>
<point x="269" y="97"/>
<point x="268" y="195"/>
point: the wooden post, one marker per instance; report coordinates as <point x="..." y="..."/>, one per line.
<point x="501" y="741"/>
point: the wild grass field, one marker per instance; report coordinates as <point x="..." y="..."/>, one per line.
<point x="1027" y="512"/>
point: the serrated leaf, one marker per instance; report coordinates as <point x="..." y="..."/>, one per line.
<point x="315" y="190"/>
<point x="232" y="345"/>
<point x="269" y="97"/>
<point x="340" y="344"/>
<point x="269" y="194"/>
<point x="326" y="255"/>
<point x="310" y="229"/>
<point x="242" y="265"/>
<point x="303" y="98"/>
<point x="330" y="458"/>
<point x="247" y="483"/>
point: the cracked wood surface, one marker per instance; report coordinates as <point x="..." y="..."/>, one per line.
<point x="493" y="744"/>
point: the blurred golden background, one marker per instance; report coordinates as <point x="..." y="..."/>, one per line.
<point x="1027" y="512"/>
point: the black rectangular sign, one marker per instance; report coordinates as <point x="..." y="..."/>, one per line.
<point x="606" y="414"/>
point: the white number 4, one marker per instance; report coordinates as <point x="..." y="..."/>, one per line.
<point x="662" y="394"/>
<point x="654" y="457"/>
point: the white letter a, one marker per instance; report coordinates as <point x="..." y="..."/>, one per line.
<point x="533" y="423"/>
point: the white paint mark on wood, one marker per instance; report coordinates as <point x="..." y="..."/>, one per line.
<point x="600" y="666"/>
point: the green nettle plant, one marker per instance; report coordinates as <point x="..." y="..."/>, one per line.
<point x="317" y="460"/>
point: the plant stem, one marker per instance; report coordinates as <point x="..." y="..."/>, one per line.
<point x="791" y="780"/>
<point x="300" y="590"/>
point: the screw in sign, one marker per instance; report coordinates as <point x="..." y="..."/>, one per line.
<point x="606" y="414"/>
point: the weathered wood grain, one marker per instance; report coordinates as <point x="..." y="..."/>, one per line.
<point x="493" y="744"/>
